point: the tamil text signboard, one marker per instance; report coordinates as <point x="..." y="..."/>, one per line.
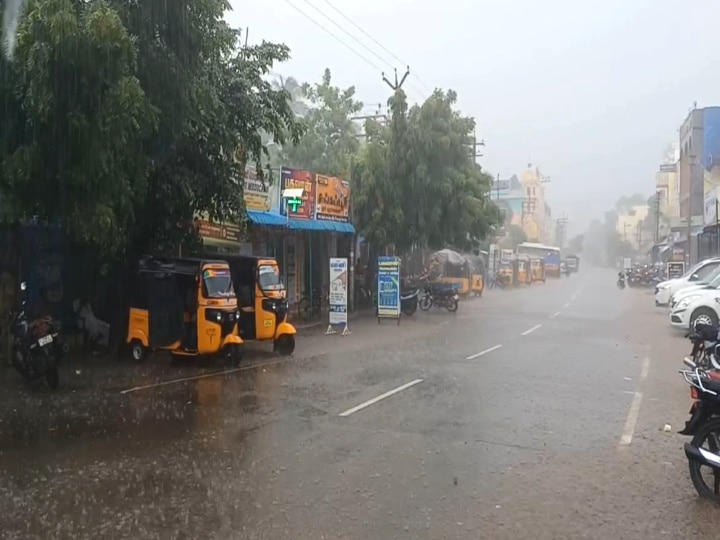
<point x="298" y="179"/>
<point x="388" y="287"/>
<point x="332" y="200"/>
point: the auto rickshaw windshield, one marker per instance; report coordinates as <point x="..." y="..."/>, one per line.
<point x="269" y="278"/>
<point x="217" y="284"/>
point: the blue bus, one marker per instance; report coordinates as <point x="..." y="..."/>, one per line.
<point x="550" y="254"/>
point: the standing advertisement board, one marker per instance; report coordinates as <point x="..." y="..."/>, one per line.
<point x="388" y="287"/>
<point x="338" y="295"/>
<point x="675" y="270"/>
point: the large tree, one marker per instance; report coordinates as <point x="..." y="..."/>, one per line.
<point x="416" y="183"/>
<point x="331" y="137"/>
<point x="123" y="120"/>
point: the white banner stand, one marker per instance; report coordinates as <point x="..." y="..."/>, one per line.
<point x="338" y="315"/>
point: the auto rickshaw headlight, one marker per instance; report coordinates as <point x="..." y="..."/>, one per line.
<point x="218" y="317"/>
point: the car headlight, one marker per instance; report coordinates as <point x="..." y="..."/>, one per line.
<point x="685" y="302"/>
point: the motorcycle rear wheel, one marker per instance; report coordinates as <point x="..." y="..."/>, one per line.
<point x="426" y="302"/>
<point x="451" y="305"/>
<point x="703" y="435"/>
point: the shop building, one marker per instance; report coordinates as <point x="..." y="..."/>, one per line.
<point x="303" y="233"/>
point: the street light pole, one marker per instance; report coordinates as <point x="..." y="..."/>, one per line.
<point x="717" y="225"/>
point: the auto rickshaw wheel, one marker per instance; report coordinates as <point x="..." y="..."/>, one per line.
<point x="285" y="344"/>
<point x="137" y="350"/>
<point x="233" y="355"/>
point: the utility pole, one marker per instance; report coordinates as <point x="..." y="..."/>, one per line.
<point x="398" y="85"/>
<point x="717" y="224"/>
<point x="497" y="187"/>
<point x="690" y="210"/>
<point x="560" y="224"/>
<point x="639" y="235"/>
<point x="657" y="218"/>
<point x="475" y="145"/>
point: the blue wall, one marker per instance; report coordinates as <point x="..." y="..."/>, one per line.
<point x="711" y="128"/>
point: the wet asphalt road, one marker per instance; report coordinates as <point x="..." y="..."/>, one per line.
<point x="507" y="423"/>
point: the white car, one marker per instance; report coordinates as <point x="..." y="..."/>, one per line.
<point x="702" y="307"/>
<point x="712" y="284"/>
<point x="695" y="275"/>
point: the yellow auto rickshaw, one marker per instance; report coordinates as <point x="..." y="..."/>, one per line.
<point x="504" y="276"/>
<point x="454" y="269"/>
<point x="263" y="301"/>
<point x="521" y="265"/>
<point x="477" y="282"/>
<point x="185" y="306"/>
<point x="537" y="270"/>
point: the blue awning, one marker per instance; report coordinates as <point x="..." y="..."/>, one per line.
<point x="267" y="219"/>
<point x="320" y="225"/>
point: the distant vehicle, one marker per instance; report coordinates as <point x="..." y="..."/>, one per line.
<point x="573" y="262"/>
<point x="549" y="254"/>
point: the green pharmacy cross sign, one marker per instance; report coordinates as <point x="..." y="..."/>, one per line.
<point x="294" y="203"/>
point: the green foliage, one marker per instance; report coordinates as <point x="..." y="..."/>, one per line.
<point x="123" y="120"/>
<point x="415" y="183"/>
<point x="626" y="202"/>
<point x="330" y="139"/>
<point x="515" y="235"/>
<point x="575" y="245"/>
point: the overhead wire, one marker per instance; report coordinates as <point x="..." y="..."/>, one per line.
<point x="376" y="42"/>
<point x="332" y="34"/>
<point x="351" y="48"/>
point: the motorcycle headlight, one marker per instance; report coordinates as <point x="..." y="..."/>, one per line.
<point x="685" y="302"/>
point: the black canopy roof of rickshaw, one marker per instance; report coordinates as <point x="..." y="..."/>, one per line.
<point x="187" y="266"/>
<point x="248" y="258"/>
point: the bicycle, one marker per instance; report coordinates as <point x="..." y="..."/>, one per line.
<point x="313" y="307"/>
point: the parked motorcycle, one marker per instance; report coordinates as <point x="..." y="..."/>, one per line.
<point x="36" y="345"/>
<point x="439" y="295"/>
<point x="703" y="451"/>
<point x="705" y="352"/>
<point x="409" y="301"/>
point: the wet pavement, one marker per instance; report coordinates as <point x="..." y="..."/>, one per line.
<point x="503" y="420"/>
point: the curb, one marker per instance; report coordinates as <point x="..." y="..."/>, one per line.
<point x="322" y="322"/>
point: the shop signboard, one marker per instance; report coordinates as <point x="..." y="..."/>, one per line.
<point x="304" y="207"/>
<point x="223" y="232"/>
<point x="332" y="201"/>
<point x="338" y="295"/>
<point x="675" y="270"/>
<point x="388" y="287"/>
<point x="256" y="191"/>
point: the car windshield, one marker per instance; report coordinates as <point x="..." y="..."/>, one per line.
<point x="269" y="278"/>
<point x="693" y="269"/>
<point x="714" y="279"/>
<point x="217" y="284"/>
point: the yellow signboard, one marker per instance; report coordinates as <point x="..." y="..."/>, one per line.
<point x="256" y="191"/>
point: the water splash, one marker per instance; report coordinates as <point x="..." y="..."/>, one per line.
<point x="11" y="17"/>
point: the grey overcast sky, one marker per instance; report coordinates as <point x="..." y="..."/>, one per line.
<point x="591" y="92"/>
